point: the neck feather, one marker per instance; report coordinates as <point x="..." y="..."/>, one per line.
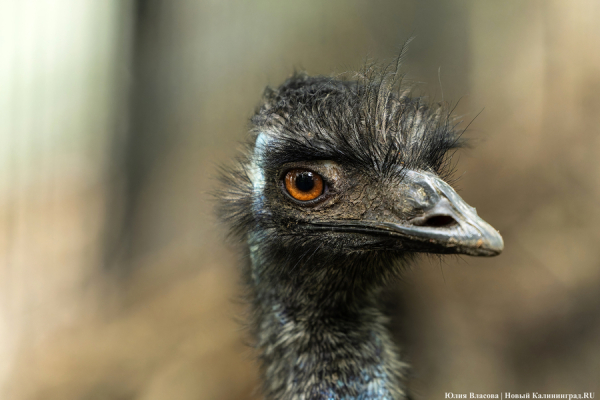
<point x="315" y="347"/>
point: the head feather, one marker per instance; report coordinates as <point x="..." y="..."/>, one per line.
<point x="370" y="121"/>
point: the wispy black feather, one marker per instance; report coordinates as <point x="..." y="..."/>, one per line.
<point x="363" y="122"/>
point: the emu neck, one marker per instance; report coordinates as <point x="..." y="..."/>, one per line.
<point x="324" y="347"/>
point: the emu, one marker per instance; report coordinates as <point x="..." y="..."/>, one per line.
<point x="342" y="184"/>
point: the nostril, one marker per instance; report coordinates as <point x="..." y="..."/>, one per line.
<point x="439" y="221"/>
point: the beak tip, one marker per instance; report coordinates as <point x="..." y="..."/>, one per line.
<point x="490" y="246"/>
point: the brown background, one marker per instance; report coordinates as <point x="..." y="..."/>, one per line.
<point x="115" y="282"/>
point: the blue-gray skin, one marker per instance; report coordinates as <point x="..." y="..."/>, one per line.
<point x="315" y="268"/>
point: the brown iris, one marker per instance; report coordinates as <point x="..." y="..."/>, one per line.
<point x="303" y="185"/>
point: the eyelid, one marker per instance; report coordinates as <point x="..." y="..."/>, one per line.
<point x="329" y="170"/>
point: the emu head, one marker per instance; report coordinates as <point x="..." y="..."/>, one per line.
<point x="343" y="180"/>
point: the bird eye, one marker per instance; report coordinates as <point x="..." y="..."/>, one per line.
<point x="303" y="185"/>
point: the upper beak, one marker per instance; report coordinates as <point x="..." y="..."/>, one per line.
<point x="445" y="222"/>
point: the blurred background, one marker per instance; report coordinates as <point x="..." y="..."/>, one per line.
<point x="115" y="282"/>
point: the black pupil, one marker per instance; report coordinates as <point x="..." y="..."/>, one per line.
<point x="305" y="181"/>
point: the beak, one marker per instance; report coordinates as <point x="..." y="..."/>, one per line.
<point x="448" y="224"/>
<point x="445" y="223"/>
